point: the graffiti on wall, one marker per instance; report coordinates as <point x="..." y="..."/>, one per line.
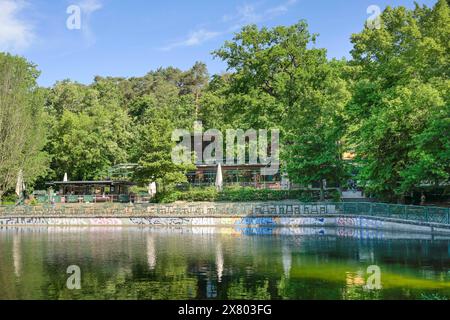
<point x="24" y="221"/>
<point x="360" y="233"/>
<point x="160" y="221"/>
<point x="348" y="226"/>
<point x="313" y="221"/>
<point x="359" y="222"/>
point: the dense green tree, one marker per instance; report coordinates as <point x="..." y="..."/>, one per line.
<point x="400" y="101"/>
<point x="115" y="120"/>
<point x="389" y="104"/>
<point x="280" y="80"/>
<point x="89" y="136"/>
<point x="22" y="134"/>
<point x="212" y="103"/>
<point x="152" y="151"/>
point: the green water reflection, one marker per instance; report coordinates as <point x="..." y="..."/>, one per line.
<point x="186" y="263"/>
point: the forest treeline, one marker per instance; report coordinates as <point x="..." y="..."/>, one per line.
<point x="388" y="104"/>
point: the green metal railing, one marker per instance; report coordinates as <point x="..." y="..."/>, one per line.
<point x="397" y="211"/>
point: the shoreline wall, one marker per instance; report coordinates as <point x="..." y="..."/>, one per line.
<point x="177" y="209"/>
<point x="237" y="222"/>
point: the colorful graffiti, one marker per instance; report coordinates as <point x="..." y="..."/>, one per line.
<point x="360" y="227"/>
<point x="359" y="222"/>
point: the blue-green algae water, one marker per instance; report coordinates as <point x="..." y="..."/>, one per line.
<point x="221" y="263"/>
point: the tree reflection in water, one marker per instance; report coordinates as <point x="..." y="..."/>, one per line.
<point x="186" y="263"/>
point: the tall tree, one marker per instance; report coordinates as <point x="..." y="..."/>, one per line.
<point x="281" y="80"/>
<point x="152" y="150"/>
<point x="22" y="134"/>
<point x="87" y="137"/>
<point x="194" y="81"/>
<point x="400" y="100"/>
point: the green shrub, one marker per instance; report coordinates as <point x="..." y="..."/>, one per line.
<point x="238" y="194"/>
<point x="166" y="197"/>
<point x="191" y="195"/>
<point x="306" y="196"/>
<point x="9" y="199"/>
<point x="334" y="195"/>
<point x="138" y="190"/>
<point x="198" y="194"/>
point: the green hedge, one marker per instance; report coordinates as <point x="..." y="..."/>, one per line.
<point x="191" y="195"/>
<point x="252" y="194"/>
<point x="240" y="194"/>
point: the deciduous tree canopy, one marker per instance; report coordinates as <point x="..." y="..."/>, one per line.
<point x="389" y="105"/>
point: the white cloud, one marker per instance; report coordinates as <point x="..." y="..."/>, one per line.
<point x="88" y="7"/>
<point x="248" y="14"/>
<point x="244" y="15"/>
<point x="281" y="9"/>
<point x="16" y="34"/>
<point x="193" y="39"/>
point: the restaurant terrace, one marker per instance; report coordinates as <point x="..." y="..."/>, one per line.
<point x="89" y="191"/>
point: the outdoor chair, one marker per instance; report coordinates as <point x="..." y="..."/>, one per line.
<point x="88" y="198"/>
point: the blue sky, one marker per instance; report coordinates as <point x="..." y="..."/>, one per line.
<point x="129" y="38"/>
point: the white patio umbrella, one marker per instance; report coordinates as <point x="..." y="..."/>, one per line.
<point x="219" y="179"/>
<point x="20" y="185"/>
<point x="152" y="188"/>
<point x="65" y="179"/>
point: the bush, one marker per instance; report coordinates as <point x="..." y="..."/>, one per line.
<point x="306" y="196"/>
<point x="191" y="195"/>
<point x="238" y="194"/>
<point x="138" y="190"/>
<point x="334" y="195"/>
<point x="9" y="199"/>
<point x="166" y="197"/>
<point x="198" y="194"/>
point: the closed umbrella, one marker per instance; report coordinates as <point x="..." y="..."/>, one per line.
<point x="152" y="188"/>
<point x="20" y="184"/>
<point x="65" y="179"/>
<point x="219" y="179"/>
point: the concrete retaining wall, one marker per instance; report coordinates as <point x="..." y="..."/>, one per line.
<point x="342" y="221"/>
<point x="176" y="209"/>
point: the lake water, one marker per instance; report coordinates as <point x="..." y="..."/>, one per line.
<point x="221" y="263"/>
